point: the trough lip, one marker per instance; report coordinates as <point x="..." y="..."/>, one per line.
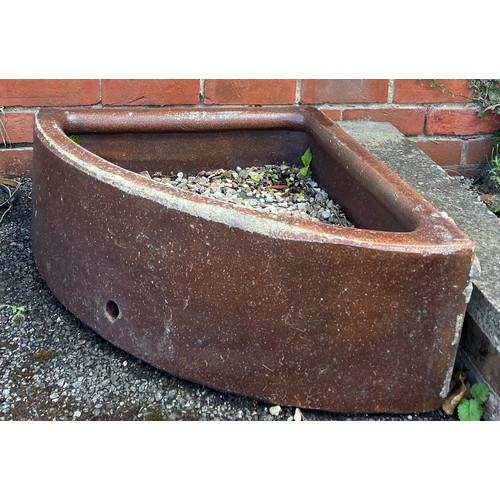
<point x="434" y="233"/>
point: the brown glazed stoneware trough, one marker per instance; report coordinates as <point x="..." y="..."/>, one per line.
<point x="291" y="312"/>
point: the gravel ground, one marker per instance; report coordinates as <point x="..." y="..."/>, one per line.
<point x="52" y="367"/>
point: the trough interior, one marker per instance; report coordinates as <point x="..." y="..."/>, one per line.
<point x="192" y="151"/>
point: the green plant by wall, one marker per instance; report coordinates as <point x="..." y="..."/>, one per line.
<point x="495" y="158"/>
<point x="433" y="84"/>
<point x="494" y="173"/>
<point x="485" y="95"/>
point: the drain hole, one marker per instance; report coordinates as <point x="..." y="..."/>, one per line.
<point x="112" y="310"/>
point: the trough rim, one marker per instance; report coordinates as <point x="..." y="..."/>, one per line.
<point x="434" y="233"/>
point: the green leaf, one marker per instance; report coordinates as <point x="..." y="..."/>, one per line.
<point x="307" y="158"/>
<point x="480" y="392"/>
<point x="469" y="409"/>
<point x="17" y="311"/>
<point x="304" y="171"/>
<point x="74" y="138"/>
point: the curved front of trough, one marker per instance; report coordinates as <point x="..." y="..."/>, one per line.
<point x="272" y="307"/>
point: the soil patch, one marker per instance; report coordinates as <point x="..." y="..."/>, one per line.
<point x="487" y="187"/>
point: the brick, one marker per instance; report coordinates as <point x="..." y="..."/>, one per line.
<point x="479" y="151"/>
<point x="19" y="127"/>
<point x="250" y="91"/>
<point x="16" y="162"/>
<point x="460" y="122"/>
<point x="419" y="91"/>
<point x="150" y="92"/>
<point x="49" y="92"/>
<point x="333" y="114"/>
<point x="407" y="121"/>
<point x="443" y="152"/>
<point x="343" y="91"/>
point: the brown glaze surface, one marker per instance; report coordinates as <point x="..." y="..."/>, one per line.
<point x="288" y="311"/>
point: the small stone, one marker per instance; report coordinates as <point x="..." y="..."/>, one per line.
<point x="275" y="410"/>
<point x="297" y="416"/>
<point x="124" y="363"/>
<point x="77" y="414"/>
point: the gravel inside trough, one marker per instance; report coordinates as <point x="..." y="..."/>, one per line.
<point x="276" y="189"/>
<point x="52" y="367"/>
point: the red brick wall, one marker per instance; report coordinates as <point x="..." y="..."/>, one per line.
<point x="444" y="125"/>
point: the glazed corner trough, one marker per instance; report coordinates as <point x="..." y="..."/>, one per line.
<point x="276" y="308"/>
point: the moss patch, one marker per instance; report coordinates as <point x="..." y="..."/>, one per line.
<point x="43" y="355"/>
<point x="155" y="415"/>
